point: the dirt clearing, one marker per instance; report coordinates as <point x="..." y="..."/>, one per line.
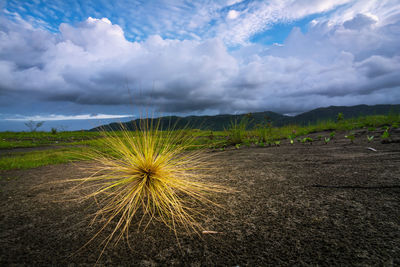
<point x="334" y="204"/>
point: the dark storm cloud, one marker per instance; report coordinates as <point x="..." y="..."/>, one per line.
<point x="21" y="45"/>
<point x="92" y="63"/>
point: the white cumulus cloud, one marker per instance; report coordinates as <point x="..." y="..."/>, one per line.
<point x="57" y="117"/>
<point x="233" y="14"/>
<point x="351" y="60"/>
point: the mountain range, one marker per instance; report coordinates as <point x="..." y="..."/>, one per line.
<point x="221" y="122"/>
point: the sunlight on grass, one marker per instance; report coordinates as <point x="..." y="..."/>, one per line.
<point x="22" y="160"/>
<point x="238" y="134"/>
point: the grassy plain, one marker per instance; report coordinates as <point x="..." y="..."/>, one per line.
<point x="24" y="150"/>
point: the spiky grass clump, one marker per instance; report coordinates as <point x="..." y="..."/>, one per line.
<point x="237" y="131"/>
<point x="148" y="175"/>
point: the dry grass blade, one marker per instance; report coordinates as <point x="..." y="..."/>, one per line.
<point x="149" y="175"/>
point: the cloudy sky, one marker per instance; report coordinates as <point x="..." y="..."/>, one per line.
<point x="75" y="64"/>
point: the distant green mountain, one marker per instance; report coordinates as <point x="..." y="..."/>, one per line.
<point x="330" y="113"/>
<point x="221" y="122"/>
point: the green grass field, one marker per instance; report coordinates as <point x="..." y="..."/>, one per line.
<point x="17" y="149"/>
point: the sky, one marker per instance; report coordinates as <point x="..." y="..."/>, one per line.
<point x="78" y="64"/>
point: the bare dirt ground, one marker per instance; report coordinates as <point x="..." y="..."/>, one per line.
<point x="334" y="204"/>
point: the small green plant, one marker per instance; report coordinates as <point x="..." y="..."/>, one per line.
<point x="307" y="140"/>
<point x="319" y="137"/>
<point x="277" y="143"/>
<point x="327" y="139"/>
<point x="371" y="129"/>
<point x="332" y="134"/>
<point x="237" y="131"/>
<point x="350" y="136"/>
<point x="385" y="134"/>
<point x="54" y="131"/>
<point x="237" y="146"/>
<point x="247" y="142"/>
<point x="263" y="132"/>
<point x="370" y="138"/>
<point x="291" y="138"/>
<point x="340" y="117"/>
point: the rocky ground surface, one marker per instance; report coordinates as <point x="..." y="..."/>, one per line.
<point x="304" y="204"/>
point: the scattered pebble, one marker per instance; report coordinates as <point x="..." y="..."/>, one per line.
<point x="210" y="232"/>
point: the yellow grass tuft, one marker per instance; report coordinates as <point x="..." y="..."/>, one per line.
<point x="148" y="175"/>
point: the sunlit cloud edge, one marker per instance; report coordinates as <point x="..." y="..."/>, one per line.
<point x="56" y="117"/>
